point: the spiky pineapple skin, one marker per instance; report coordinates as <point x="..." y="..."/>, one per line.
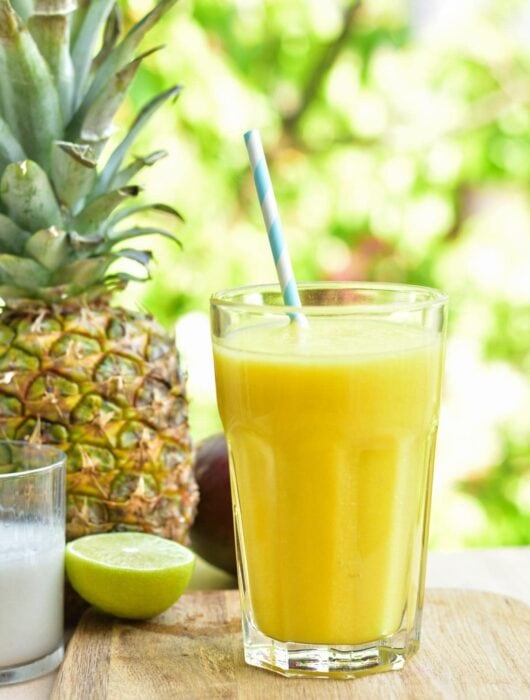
<point x="103" y="384"/>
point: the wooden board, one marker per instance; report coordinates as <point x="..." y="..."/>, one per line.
<point x="474" y="645"/>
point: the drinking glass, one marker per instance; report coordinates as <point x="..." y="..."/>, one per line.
<point x="330" y="419"/>
<point x="32" y="540"/>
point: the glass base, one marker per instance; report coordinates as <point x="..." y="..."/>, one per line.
<point x="34" y="669"/>
<point x="326" y="661"/>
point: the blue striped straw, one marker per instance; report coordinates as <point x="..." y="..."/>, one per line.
<point x="273" y="224"/>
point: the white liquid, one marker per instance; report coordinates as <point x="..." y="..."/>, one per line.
<point x="31" y="592"/>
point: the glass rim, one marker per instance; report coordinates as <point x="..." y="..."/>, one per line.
<point x="229" y="298"/>
<point x="58" y="461"/>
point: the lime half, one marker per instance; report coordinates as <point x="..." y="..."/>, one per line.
<point x="129" y="574"/>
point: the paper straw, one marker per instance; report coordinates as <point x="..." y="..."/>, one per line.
<point x="273" y="224"/>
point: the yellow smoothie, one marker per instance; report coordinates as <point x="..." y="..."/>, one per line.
<point x="331" y="433"/>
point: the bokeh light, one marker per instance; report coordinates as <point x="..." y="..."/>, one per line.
<point x="398" y="136"/>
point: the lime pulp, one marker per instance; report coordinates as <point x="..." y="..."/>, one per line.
<point x="129" y="574"/>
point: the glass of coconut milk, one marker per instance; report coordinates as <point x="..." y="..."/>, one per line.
<point x="32" y="518"/>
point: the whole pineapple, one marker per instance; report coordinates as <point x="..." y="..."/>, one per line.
<point x="100" y="382"/>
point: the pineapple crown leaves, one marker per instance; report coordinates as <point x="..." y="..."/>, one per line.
<point x="65" y="68"/>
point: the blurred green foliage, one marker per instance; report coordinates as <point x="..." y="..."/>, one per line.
<point x="398" y="152"/>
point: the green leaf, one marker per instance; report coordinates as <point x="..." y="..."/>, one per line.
<point x="82" y="273"/>
<point x="21" y="272"/>
<point x="51" y="33"/>
<point x="124" y="176"/>
<point x="53" y="7"/>
<point x="29" y="102"/>
<point x="111" y="34"/>
<point x="130" y="211"/>
<point x="12" y="238"/>
<point x="49" y="247"/>
<point x="85" y="41"/>
<point x="114" y="237"/>
<point x="115" y="160"/>
<point x="124" y="277"/>
<point x="10" y="149"/>
<point x="28" y="195"/>
<point x="98" y="210"/>
<point x="23" y="8"/>
<point x="73" y="172"/>
<point x="85" y="244"/>
<point x="143" y="257"/>
<point x="95" y="124"/>
<point x="124" y="51"/>
<point x="8" y="292"/>
<point x="77" y="19"/>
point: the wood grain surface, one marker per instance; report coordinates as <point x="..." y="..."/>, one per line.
<point x="474" y="645"/>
